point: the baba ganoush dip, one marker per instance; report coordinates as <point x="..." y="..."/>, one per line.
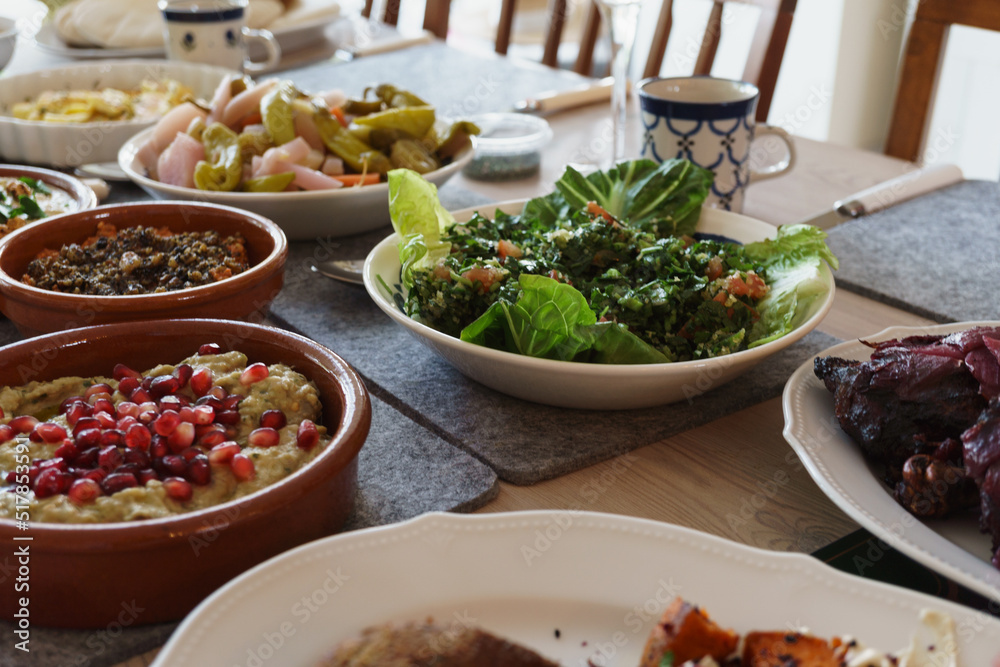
<point x="171" y="440"/>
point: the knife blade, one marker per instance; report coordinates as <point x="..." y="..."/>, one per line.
<point x="559" y="100"/>
<point x="888" y="193"/>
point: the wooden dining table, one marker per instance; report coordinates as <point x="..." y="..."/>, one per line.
<point x="703" y="477"/>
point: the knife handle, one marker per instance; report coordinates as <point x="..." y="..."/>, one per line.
<point x="899" y="189"/>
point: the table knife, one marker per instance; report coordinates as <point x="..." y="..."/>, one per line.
<point x="385" y="44"/>
<point x="889" y="193"/>
<point x="560" y="100"/>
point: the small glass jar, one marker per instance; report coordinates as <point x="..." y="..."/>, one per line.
<point x="509" y="146"/>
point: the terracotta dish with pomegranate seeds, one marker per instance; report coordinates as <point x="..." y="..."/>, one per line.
<point x="150" y="445"/>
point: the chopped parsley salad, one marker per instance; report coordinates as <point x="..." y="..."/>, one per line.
<point x="606" y="269"/>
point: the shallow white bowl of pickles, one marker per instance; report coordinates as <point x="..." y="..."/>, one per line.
<point x="303" y="215"/>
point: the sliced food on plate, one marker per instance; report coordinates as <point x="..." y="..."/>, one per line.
<point x="926" y="409"/>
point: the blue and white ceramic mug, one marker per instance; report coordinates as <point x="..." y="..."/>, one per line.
<point x="711" y="122"/>
<point x="215" y="32"/>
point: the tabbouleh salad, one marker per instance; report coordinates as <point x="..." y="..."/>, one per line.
<point x="606" y="269"/>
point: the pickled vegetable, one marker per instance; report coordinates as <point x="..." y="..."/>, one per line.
<point x="224" y="167"/>
<point x="276" y="112"/>
<point x="275" y="183"/>
<point x="412" y="154"/>
<point x="355" y="153"/>
<point x="415" y="121"/>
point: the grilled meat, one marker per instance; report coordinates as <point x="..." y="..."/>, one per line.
<point x="981" y="450"/>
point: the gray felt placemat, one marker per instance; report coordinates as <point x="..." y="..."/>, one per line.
<point x="523" y="442"/>
<point x="404" y="470"/>
<point x="934" y="256"/>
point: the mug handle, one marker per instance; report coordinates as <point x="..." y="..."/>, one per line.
<point x="781" y="167"/>
<point x="270" y="45"/>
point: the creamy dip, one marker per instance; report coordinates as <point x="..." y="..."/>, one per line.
<point x="283" y="389"/>
<point x="15" y="212"/>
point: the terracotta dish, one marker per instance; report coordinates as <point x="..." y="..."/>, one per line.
<point x="241" y="297"/>
<point x="83" y="574"/>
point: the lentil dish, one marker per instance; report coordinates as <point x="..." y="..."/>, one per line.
<point x="138" y="260"/>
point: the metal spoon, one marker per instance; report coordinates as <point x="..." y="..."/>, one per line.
<point x="345" y="270"/>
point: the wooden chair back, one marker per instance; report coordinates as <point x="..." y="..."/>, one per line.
<point x="436" y="14"/>
<point x="925" y="48"/>
<point x="763" y="62"/>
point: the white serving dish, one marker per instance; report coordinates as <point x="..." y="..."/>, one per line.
<point x="580" y="385"/>
<point x="953" y="547"/>
<point x="73" y="144"/>
<point x="572" y="585"/>
<point x="305" y="215"/>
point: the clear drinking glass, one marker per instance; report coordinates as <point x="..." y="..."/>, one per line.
<point x="622" y="19"/>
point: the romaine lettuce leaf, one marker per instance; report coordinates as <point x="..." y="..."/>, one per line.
<point x="419" y="218"/>
<point x="792" y="261"/>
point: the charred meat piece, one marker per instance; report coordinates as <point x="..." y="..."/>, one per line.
<point x="899" y="399"/>
<point x="426" y="644"/>
<point x="933" y="489"/>
<point x="981" y="443"/>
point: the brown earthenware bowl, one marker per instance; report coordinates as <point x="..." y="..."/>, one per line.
<point x="245" y="296"/>
<point x="150" y="571"/>
<point x="82" y="194"/>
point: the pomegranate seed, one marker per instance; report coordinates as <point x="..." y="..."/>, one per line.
<point x="273" y="419"/>
<point x="105" y="419"/>
<point x="23" y="424"/>
<point x="201" y="381"/>
<point x="183" y="374"/>
<point x="119" y="481"/>
<point x="112" y="437"/>
<point x="228" y="417"/>
<point x="190" y="452"/>
<point x="103" y="404"/>
<point x="186" y="414"/>
<point x="145" y="476"/>
<point x="137" y="457"/>
<point x="127" y="409"/>
<point x="158" y="446"/>
<point x="78" y="411"/>
<point x="99" y="389"/>
<point x="163" y="385"/>
<point x="58" y="463"/>
<point x="11" y="476"/>
<point x="211" y="435"/>
<point x="68" y="450"/>
<point x="121" y="371"/>
<point x="232" y="401"/>
<point x="172" y="402"/>
<point x="97" y="474"/>
<point x="125" y="423"/>
<point x="171" y="464"/>
<point x="218" y="392"/>
<point x="148" y="412"/>
<point x="242" y="467"/>
<point x="131" y="468"/>
<point x="83" y="491"/>
<point x="253" y="373"/>
<point x="182" y="437"/>
<point x="167" y="422"/>
<point x="141" y="396"/>
<point x="210" y="401"/>
<point x="203" y="414"/>
<point x="224" y="452"/>
<point x="263" y="437"/>
<point x="138" y="437"/>
<point x="178" y="489"/>
<point x="128" y="386"/>
<point x="199" y="470"/>
<point x="6" y="433"/>
<point x="85" y="423"/>
<point x="50" y="482"/>
<point x="68" y="402"/>
<point x="50" y="433"/>
<point x="210" y="348"/>
<point x="308" y="435"/>
<point x="110" y="457"/>
<point x="88" y="437"/>
<point x="33" y="474"/>
<point x="87" y="458"/>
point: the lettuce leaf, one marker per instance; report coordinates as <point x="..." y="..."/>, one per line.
<point x="792" y="261"/>
<point x="420" y="219"/>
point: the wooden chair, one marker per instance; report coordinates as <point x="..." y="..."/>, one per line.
<point x="925" y="48"/>
<point x="435" y="15"/>
<point x="763" y="62"/>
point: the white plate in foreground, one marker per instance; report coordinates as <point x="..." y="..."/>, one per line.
<point x="305" y="215"/>
<point x="600" y="580"/>
<point x="953" y="547"/>
<point x="581" y="385"/>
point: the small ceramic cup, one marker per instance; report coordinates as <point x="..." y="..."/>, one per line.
<point x="710" y="122"/>
<point x="215" y="32"/>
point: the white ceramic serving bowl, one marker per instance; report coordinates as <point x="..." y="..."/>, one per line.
<point x="8" y="40"/>
<point x="590" y="386"/>
<point x="303" y="215"/>
<point x="73" y="144"/>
